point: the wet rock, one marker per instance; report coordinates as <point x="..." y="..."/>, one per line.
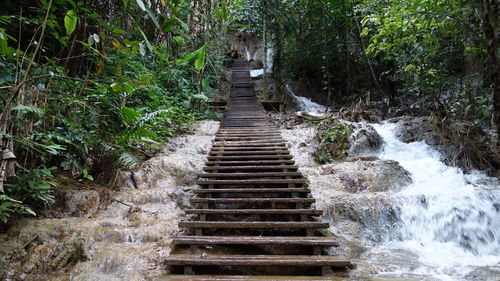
<point x="72" y="251"/>
<point x="487" y="273"/>
<point x="413" y="129"/>
<point x="365" y="141"/>
<point x="374" y="176"/>
<point x="359" y="217"/>
<point x="347" y="248"/>
<point x="80" y="203"/>
<point x="296" y="138"/>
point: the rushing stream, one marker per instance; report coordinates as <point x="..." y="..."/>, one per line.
<point x="449" y="220"/>
<point x="306" y="104"/>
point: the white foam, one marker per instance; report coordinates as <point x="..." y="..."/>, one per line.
<point x="452" y="224"/>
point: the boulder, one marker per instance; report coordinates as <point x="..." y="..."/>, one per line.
<point x="374" y="176"/>
<point x="80" y="203"/>
<point x="365" y="141"/>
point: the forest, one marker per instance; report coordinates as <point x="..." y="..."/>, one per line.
<point x="88" y="87"/>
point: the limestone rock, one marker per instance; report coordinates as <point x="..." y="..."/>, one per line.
<point x="81" y="203"/>
<point x="374" y="176"/>
<point x="365" y="141"/>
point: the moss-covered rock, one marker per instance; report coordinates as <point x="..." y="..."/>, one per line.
<point x="334" y="141"/>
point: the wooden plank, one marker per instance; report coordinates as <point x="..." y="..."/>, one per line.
<point x="255" y="211"/>
<point x="252" y="181"/>
<point x="248" y="152"/>
<point x="251" y="190"/>
<point x="252" y="200"/>
<point x="251" y="168"/>
<point x="251" y="162"/>
<point x="247" y="175"/>
<point x="255" y="240"/>
<point x="253" y="224"/>
<point x="250" y="157"/>
<point x="258" y="260"/>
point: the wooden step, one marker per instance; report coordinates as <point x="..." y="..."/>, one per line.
<point x="255" y="240"/>
<point x="252" y="181"/>
<point x="249" y="157"/>
<point x="251" y="168"/>
<point x="251" y="190"/>
<point x="248" y="278"/>
<point x="242" y="148"/>
<point x="250" y="175"/>
<point x="258" y="260"/>
<point x="252" y="200"/>
<point x="312" y="212"/>
<point x="248" y="144"/>
<point x="251" y="138"/>
<point x="253" y="224"/>
<point x="249" y="152"/>
<point x="251" y="162"/>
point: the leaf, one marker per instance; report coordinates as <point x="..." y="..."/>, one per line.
<point x="116" y="87"/>
<point x="141" y="4"/>
<point x="150" y="47"/>
<point x="142" y="49"/>
<point x="129" y="115"/>
<point x="70" y="21"/>
<point x="128" y="160"/>
<point x="23" y="109"/>
<point x="96" y="38"/>
<point x="153" y="17"/>
<point x="91" y="40"/>
<point x="43" y="186"/>
<point x="201" y="97"/>
<point x="117" y="45"/>
<point x="186" y="58"/>
<point x="199" y="63"/>
<point x="169" y="24"/>
<point x="183" y="24"/>
<point x="148" y="11"/>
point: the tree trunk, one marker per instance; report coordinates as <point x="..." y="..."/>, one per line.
<point x="492" y="26"/>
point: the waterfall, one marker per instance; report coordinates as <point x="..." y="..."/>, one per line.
<point x="306" y="104"/>
<point x="449" y="219"/>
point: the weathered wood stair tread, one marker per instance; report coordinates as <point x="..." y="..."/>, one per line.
<point x="249" y="152"/>
<point x="253" y="224"/>
<point x="248" y="277"/>
<point x="255" y="211"/>
<point x="249" y="157"/>
<point x="251" y="162"/>
<point x="252" y="190"/>
<point x="248" y="144"/>
<point x="250" y="148"/>
<point x="252" y="200"/>
<point x="255" y="240"/>
<point x="252" y="181"/>
<point x="245" y="175"/>
<point x="258" y="260"/>
<point x="251" y="168"/>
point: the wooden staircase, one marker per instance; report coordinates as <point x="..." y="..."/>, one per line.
<point x="254" y="219"/>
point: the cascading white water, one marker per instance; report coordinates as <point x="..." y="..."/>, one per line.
<point x="306" y="104"/>
<point x="450" y="220"/>
<point x="248" y="56"/>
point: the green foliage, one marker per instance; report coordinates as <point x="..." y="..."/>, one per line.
<point x="33" y="187"/>
<point x="87" y="107"/>
<point x="10" y="206"/>
<point x="403" y="52"/>
<point x="334" y="142"/>
<point x="70" y="21"/>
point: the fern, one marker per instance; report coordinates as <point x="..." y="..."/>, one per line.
<point x="128" y="160"/>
